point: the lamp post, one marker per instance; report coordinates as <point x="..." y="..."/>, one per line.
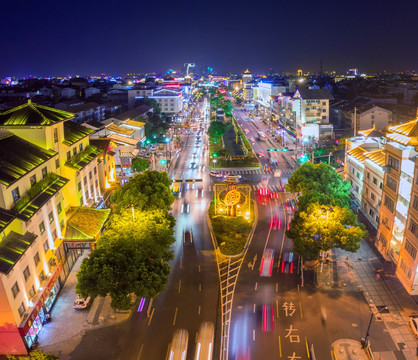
<point x="364" y="342"/>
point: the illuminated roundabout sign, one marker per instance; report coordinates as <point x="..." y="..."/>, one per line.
<point x="232" y="197"/>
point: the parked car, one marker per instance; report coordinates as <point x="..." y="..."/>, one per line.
<point x="81" y="303"/>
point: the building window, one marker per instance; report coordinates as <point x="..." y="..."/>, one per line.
<point x="410" y="249"/>
<point x="32" y="291"/>
<point x="383" y="240"/>
<point x="385" y="222"/>
<point x="15" y="290"/>
<point x="41" y="227"/>
<point x="413" y="227"/>
<point x="50" y="217"/>
<point x="80" y="147"/>
<point x="26" y="273"/>
<point x="324" y="110"/>
<point x="74" y="151"/>
<point x="68" y="155"/>
<point x="36" y="258"/>
<point x="391" y="183"/>
<point x="57" y="163"/>
<point x="393" y="163"/>
<point x="96" y="184"/>
<point x="389" y="203"/>
<point x="95" y="170"/>
<point x="90" y="175"/>
<point x="381" y="186"/>
<point x="81" y="201"/>
<point x="54" y="234"/>
<point x="55" y="135"/>
<point x="42" y="276"/>
<point x="405" y="269"/>
<point x="62" y="224"/>
<point x="44" y="172"/>
<point x="46" y="246"/>
<point x="32" y="180"/>
<point x="374" y="180"/>
<point x="79" y="186"/>
<point x="21" y="309"/>
<point x="368" y="175"/>
<point x="415" y="202"/>
<point x="371" y="213"/>
<point x="85" y="180"/>
<point x="373" y="196"/>
<point x="16" y="194"/>
<point x="59" y="208"/>
<point x="367" y="190"/>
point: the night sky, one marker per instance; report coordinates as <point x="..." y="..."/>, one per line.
<point x="86" y="37"/>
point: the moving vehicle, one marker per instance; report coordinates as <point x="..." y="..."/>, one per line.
<point x="177" y="188"/>
<point x="81" y="303"/>
<point x="215" y="174"/>
<point x="185" y="208"/>
<point x="246" y="131"/>
<point x="204" y="341"/>
<point x="261" y="154"/>
<point x="232" y="178"/>
<point x="178" y="345"/>
<point x="267" y="263"/>
<point x="413" y="323"/>
<point x="268" y="318"/>
<point x="274" y="157"/>
<point x="287" y="263"/>
<point x="187" y="237"/>
<point x="261" y="136"/>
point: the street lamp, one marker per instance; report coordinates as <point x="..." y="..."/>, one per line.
<point x="364" y="342"/>
<point x="214" y="163"/>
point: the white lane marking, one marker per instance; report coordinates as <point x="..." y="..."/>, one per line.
<point x="256" y="284"/>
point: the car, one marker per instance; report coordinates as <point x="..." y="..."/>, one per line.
<point x="287" y="263"/>
<point x="193" y="165"/>
<point x="194" y="154"/>
<point x="81" y="303"/>
<point x="187" y="237"/>
<point x="204" y="341"/>
<point x="261" y="154"/>
<point x="215" y="174"/>
<point x="246" y="131"/>
<point x="252" y="140"/>
<point x="178" y="345"/>
<point x="267" y="262"/>
<point x="232" y="178"/>
<point x="413" y="323"/>
<point x="268" y="318"/>
<point x="275" y="222"/>
<point x="185" y="208"/>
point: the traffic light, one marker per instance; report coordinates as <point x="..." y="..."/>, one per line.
<point x="271" y="149"/>
<point x="148" y="141"/>
<point x="277" y="150"/>
<point x="285" y="149"/>
<point x="163" y="162"/>
<point x="214" y="155"/>
<point x="303" y="158"/>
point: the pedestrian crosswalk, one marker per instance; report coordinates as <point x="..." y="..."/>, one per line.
<point x="284" y="172"/>
<point x="270" y="188"/>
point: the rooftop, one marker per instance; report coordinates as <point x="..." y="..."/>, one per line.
<point x="372" y="132"/>
<point x="83" y="158"/>
<point x="31" y="114"/>
<point x="120" y="129"/>
<point x="134" y="113"/>
<point x="83" y="107"/>
<point x="85" y="223"/>
<point x="315" y="94"/>
<point x="19" y="157"/>
<point x="12" y="247"/>
<point x="74" y="132"/>
<point x="5" y="219"/>
<point x="377" y="156"/>
<point x="104" y="144"/>
<point x="358" y="153"/>
<point x="119" y="139"/>
<point x="138" y="124"/>
<point x="406" y="133"/>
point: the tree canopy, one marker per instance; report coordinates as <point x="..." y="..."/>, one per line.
<point x="147" y="191"/>
<point x="324" y="227"/>
<point x="319" y="183"/>
<point x="131" y="258"/>
<point x="34" y="355"/>
<point x="140" y="164"/>
<point x="216" y="129"/>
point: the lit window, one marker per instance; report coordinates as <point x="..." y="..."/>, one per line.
<point x="59" y="208"/>
<point x="80" y="147"/>
<point x="41" y="227"/>
<point x="46" y="246"/>
<point x="32" y="180"/>
<point x="16" y="194"/>
<point x="50" y="217"/>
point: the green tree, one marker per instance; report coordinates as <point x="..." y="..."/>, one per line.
<point x="140" y="164"/>
<point x="227" y="107"/>
<point x="216" y="130"/>
<point x="319" y="183"/>
<point x="323" y="228"/>
<point x="150" y="102"/>
<point x="131" y="258"/>
<point x="147" y="191"/>
<point x="34" y="355"/>
<point x="239" y="100"/>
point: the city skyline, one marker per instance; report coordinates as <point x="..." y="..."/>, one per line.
<point x="227" y="37"/>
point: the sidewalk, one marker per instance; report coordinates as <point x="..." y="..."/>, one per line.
<point x="357" y="272"/>
<point x="67" y="327"/>
<point x="347" y="349"/>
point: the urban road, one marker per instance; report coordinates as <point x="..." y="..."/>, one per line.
<point x="273" y="317"/>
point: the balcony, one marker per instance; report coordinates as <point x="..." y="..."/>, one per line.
<point x="82" y="159"/>
<point x="38" y="195"/>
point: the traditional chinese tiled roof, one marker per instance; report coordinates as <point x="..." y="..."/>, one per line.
<point x="18" y="157"/>
<point x="5" y="219"/>
<point x="120" y="129"/>
<point x="82" y="159"/>
<point x="373" y="132"/>
<point x="138" y="124"/>
<point x="12" y="247"/>
<point x="74" y="132"/>
<point x="119" y="139"/>
<point x="377" y="156"/>
<point x="31" y="114"/>
<point x="85" y="223"/>
<point x="406" y="134"/>
<point x="358" y="153"/>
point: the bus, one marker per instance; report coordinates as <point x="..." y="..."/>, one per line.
<point x="261" y="136"/>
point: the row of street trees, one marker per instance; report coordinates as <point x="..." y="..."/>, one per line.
<point x="324" y="219"/>
<point x="131" y="256"/>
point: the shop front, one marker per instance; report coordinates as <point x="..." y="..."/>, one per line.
<point x="32" y="325"/>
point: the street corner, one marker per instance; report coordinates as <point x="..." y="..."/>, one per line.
<point x="348" y="349"/>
